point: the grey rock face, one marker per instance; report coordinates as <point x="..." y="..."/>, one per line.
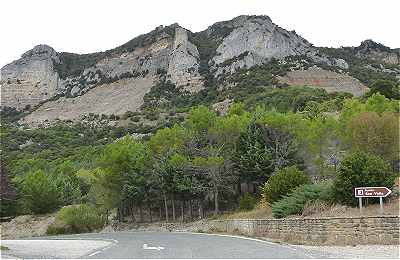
<point x="31" y="79"/>
<point x="138" y="63"/>
<point x="166" y="53"/>
<point x="183" y="68"/>
<point x="34" y="78"/>
<point x="341" y="63"/>
<point x="376" y="51"/>
<point x="255" y="40"/>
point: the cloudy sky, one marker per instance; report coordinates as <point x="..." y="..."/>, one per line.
<point x="83" y="26"/>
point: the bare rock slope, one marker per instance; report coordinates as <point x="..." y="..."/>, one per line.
<point x="114" y="98"/>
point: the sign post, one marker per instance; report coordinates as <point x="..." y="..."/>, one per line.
<point x="371" y="192"/>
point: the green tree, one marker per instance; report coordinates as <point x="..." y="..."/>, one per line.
<point x="252" y="159"/>
<point x="360" y="169"/>
<point x="387" y="88"/>
<point x="166" y="146"/>
<point x="247" y="202"/>
<point x="378" y="135"/>
<point x="40" y="193"/>
<point x="217" y="175"/>
<point x="320" y="133"/>
<point x="283" y="182"/>
<point x="282" y="147"/>
<point x="8" y="194"/>
<point x="120" y="167"/>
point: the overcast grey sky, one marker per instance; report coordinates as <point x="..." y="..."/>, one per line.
<point x="83" y="26"/>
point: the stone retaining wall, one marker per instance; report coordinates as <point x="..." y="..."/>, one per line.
<point x="317" y="231"/>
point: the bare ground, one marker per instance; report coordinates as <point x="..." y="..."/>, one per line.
<point x="26" y="226"/>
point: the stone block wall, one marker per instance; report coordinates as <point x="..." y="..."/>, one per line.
<point x="318" y="231"/>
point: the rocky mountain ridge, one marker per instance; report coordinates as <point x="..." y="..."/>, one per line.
<point x="66" y="85"/>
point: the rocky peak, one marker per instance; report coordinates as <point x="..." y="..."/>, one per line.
<point x="253" y="40"/>
<point x="245" y="19"/>
<point x="370" y="45"/>
<point x="40" y="51"/>
<point x="376" y="51"/>
<point x="30" y="80"/>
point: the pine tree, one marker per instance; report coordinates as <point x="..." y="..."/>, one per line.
<point x="252" y="159"/>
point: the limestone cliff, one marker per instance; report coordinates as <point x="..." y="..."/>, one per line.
<point x="35" y="77"/>
<point x="31" y="79"/>
<point x="67" y="85"/>
<point x="255" y="40"/>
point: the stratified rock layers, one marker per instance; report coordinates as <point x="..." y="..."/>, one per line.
<point x="114" y="98"/>
<point x="328" y="80"/>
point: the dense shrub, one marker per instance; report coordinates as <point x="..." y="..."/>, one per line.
<point x="77" y="219"/>
<point x="135" y="118"/>
<point x="58" y="229"/>
<point x="387" y="88"/>
<point x="283" y="182"/>
<point x="247" y="202"/>
<point x="294" y="202"/>
<point x="40" y="193"/>
<point x="152" y="116"/>
<point x="361" y="170"/>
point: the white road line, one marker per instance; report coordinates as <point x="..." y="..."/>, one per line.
<point x="292" y="247"/>
<point x="94" y="253"/>
<point x="233" y="236"/>
<point x="145" y="246"/>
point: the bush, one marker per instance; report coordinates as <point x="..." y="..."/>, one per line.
<point x="40" y="193"/>
<point x="58" y="229"/>
<point x="387" y="88"/>
<point x="135" y="118"/>
<point x="294" y="202"/>
<point x="361" y="170"/>
<point x="152" y="116"/>
<point x="282" y="183"/>
<point x="78" y="219"/>
<point x="247" y="202"/>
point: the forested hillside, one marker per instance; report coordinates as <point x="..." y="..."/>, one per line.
<point x="271" y="144"/>
<point x="177" y="125"/>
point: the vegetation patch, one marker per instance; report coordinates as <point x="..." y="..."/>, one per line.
<point x="294" y="203"/>
<point x="77" y="219"/>
<point x="282" y="183"/>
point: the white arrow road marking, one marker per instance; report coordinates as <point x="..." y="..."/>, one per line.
<point x="145" y="246"/>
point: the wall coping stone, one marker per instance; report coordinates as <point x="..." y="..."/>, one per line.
<point x="321" y="218"/>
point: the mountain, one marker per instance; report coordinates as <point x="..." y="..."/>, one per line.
<point x="171" y="64"/>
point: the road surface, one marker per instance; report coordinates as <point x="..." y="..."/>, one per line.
<point x="149" y="245"/>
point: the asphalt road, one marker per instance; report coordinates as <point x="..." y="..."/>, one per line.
<point x="152" y="245"/>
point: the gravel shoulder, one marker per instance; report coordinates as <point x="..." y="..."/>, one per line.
<point x="52" y="248"/>
<point x="353" y="252"/>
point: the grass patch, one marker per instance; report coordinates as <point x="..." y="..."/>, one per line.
<point x="262" y="210"/>
<point x="4" y="248"/>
